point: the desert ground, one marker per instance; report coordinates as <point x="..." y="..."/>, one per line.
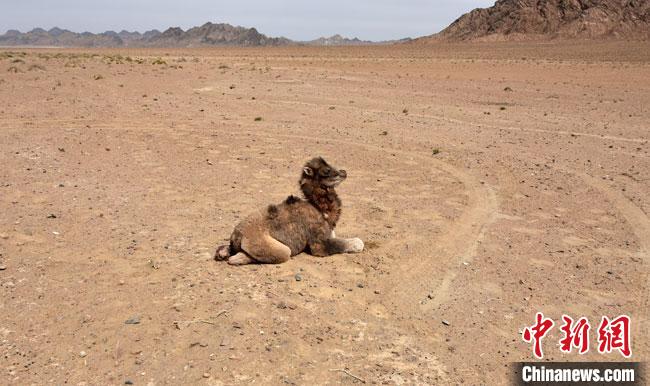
<point x="489" y="182"/>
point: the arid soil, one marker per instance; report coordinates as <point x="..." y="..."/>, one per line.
<point x="489" y="182"/>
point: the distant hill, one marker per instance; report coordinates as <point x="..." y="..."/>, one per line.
<point x="209" y="34"/>
<point x="338" y="40"/>
<point x="548" y="19"/>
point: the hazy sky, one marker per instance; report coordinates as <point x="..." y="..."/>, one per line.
<point x="295" y="19"/>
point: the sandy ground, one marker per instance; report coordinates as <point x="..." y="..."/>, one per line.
<point x="489" y="182"/>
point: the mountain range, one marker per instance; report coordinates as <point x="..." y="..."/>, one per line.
<point x="506" y="20"/>
<point x="552" y="19"/>
<point x="209" y="34"/>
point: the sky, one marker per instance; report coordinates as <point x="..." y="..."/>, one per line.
<point x="294" y="19"/>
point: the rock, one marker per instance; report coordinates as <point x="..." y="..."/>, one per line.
<point x="133" y="320"/>
<point x="552" y="19"/>
<point x="51" y="215"/>
<point x="445" y="322"/>
<point x="206" y="375"/>
<point x="128" y="382"/>
<point x="82" y="354"/>
<point x="2" y="267"/>
<point x="298" y="277"/>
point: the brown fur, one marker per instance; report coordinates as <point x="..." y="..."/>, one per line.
<point x="296" y="225"/>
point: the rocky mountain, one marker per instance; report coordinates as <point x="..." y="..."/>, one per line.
<point x="524" y="19"/>
<point x="208" y="34"/>
<point x="338" y="40"/>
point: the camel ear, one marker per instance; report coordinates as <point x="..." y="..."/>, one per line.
<point x="308" y="171"/>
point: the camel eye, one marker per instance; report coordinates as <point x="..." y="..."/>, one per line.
<point x="325" y="172"/>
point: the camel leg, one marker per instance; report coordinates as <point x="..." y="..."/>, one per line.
<point x="266" y="249"/>
<point x="240" y="259"/>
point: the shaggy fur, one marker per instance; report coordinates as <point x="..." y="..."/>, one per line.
<point x="296" y="225"/>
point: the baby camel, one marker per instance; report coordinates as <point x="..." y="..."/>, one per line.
<point x="297" y="225"/>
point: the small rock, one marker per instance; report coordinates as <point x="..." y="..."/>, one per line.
<point x="360" y="285"/>
<point x="445" y="322"/>
<point x="128" y="382"/>
<point x="377" y="292"/>
<point x="206" y="375"/>
<point x="51" y="215"/>
<point x="298" y="277"/>
<point x="2" y="267"/>
<point x="82" y="354"/>
<point x="133" y="320"/>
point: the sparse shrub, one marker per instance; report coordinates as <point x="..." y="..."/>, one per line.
<point x="502" y="108"/>
<point x="223" y="67"/>
<point x="17" y="60"/>
<point x="405" y="111"/>
<point x="14" y="69"/>
<point x="258" y="119"/>
<point x="507" y="89"/>
<point x="435" y="151"/>
<point x="159" y="61"/>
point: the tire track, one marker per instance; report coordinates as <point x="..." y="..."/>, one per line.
<point x="640" y="224"/>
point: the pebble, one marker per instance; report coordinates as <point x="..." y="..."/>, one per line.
<point x="133" y="320"/>
<point x="445" y="322"/>
<point x="2" y="267"/>
<point x="206" y="375"/>
<point x="82" y="354"/>
<point x="128" y="382"/>
<point x="298" y="277"/>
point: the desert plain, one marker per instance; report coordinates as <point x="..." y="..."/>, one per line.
<point x="489" y="181"/>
